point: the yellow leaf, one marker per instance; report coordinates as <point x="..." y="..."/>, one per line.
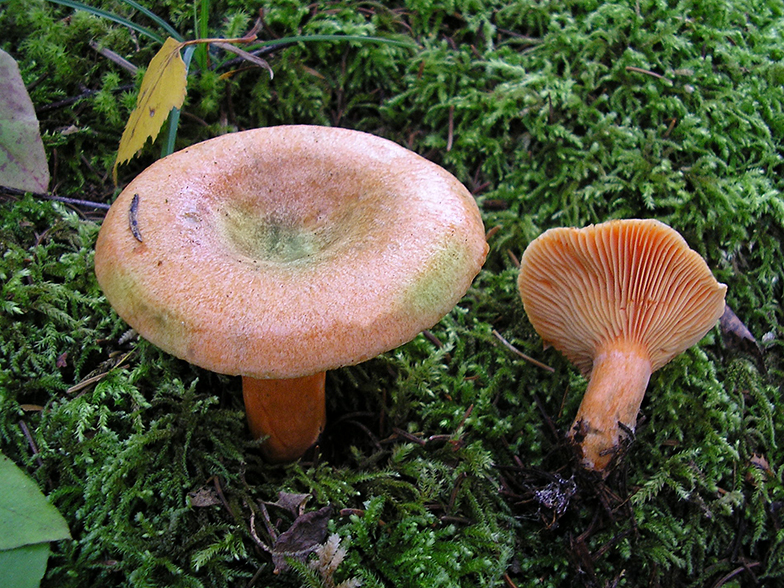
<point x="163" y="88"/>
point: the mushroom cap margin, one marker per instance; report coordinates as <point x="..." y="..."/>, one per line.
<point x="241" y="271"/>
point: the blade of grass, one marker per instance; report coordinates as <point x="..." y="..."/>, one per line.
<point x="201" y="17"/>
<point x="156" y="19"/>
<point x="311" y="38"/>
<point x="174" y="116"/>
<point x="269" y="44"/>
<point x="113" y="17"/>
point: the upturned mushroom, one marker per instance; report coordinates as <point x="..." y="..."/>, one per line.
<point x="280" y="253"/>
<point x="619" y="299"/>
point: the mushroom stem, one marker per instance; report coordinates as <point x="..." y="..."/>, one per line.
<point x="291" y="413"/>
<point x="612" y="400"/>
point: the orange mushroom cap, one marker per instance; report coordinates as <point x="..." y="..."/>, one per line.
<point x="286" y="251"/>
<point x="635" y="280"/>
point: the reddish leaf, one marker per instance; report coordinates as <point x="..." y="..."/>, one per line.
<point x="22" y="157"/>
<point x="304" y="535"/>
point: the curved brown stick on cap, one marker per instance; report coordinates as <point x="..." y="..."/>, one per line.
<point x="619" y="299"/>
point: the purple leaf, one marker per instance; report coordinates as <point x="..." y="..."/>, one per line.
<point x="22" y="158"/>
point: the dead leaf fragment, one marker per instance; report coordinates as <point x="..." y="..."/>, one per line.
<point x="306" y="533"/>
<point x="736" y="335"/>
<point x="761" y="463"/>
<point x="293" y="503"/>
<point x="31" y="407"/>
<point x="246" y="56"/>
<point x="204" y="497"/>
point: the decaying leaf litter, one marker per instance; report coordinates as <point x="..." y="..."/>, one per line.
<point x="551" y="116"/>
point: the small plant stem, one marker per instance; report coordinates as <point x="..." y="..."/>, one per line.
<point x="209" y="41"/>
<point x="647" y="72"/>
<point x="174" y="115"/>
<point x="515" y="350"/>
<point x="612" y="400"/>
<point x="291" y="413"/>
<point x="63" y="199"/>
<point x="201" y="25"/>
<point x="31" y="442"/>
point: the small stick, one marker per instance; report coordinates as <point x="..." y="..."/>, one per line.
<point x="548" y="420"/>
<point x="673" y="122"/>
<point x="114" y="57"/>
<point x="246" y="56"/>
<point x="84" y="383"/>
<point x="451" y="130"/>
<point x="492" y="232"/>
<point x="527" y="358"/>
<point x="647" y="72"/>
<point x="219" y="492"/>
<point x="63" y="199"/>
<point x="73" y="99"/>
<point x="31" y="442"/>
<point x="432" y="338"/>
<point x="453" y="496"/>
<point x="256" y="539"/>
<point x="98" y="377"/>
<point x="408" y="436"/>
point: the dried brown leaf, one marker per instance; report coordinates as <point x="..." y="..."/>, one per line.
<point x="306" y="533"/>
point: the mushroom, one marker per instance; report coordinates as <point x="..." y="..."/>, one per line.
<point x="619" y="299"/>
<point x="280" y="253"/>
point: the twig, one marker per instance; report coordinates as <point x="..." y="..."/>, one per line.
<point x="98" y="377"/>
<point x="63" y="199"/>
<point x="31" y="442"/>
<point x="746" y="567"/>
<point x="466" y="414"/>
<point x="255" y="577"/>
<point x="491" y="233"/>
<point x="86" y="94"/>
<point x="453" y="496"/>
<point x="432" y="338"/>
<point x="648" y="73"/>
<point x="114" y="57"/>
<point x="247" y="56"/>
<point x="367" y="432"/>
<point x="515" y="350"/>
<point x="546" y="416"/>
<point x="451" y="129"/>
<point x="266" y="50"/>
<point x="408" y="436"/>
<point x="673" y="122"/>
<point x="255" y="535"/>
<point x="219" y="492"/>
<point x="522" y="37"/>
<point x="86" y="382"/>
